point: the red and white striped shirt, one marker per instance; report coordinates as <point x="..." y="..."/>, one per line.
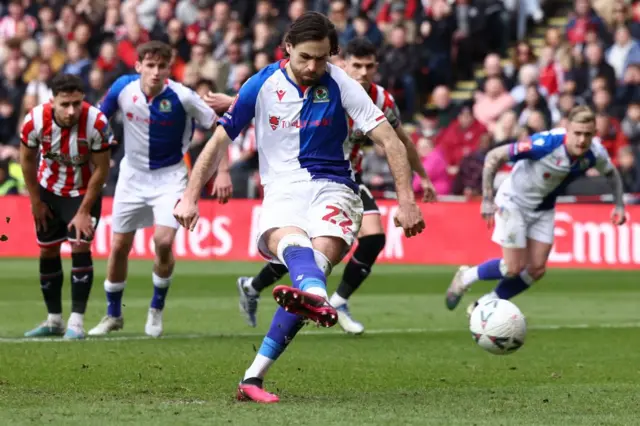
<point x="387" y="105"/>
<point x="65" y="152"/>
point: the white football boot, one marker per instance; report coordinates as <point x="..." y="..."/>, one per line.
<point x="106" y="325"/>
<point x="154" y="327"/>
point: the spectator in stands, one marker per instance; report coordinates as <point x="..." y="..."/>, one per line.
<point x="362" y="26"/>
<point x="629" y="169"/>
<point x="12" y="86"/>
<point x="584" y="20"/>
<point x="460" y="138"/>
<point x="610" y="135"/>
<point x="536" y="122"/>
<point x="629" y="90"/>
<point x="435" y="165"/>
<point x="534" y="101"/>
<point x="631" y="124"/>
<point x="493" y="68"/>
<point x="338" y="13"/>
<point x="595" y="66"/>
<point x="437" y="31"/>
<point x="376" y="173"/>
<point x="9" y="118"/>
<point x="551" y="75"/>
<point x="623" y="53"/>
<point x="506" y="129"/>
<point x="444" y="110"/>
<point x="16" y="15"/>
<point x="38" y="90"/>
<point x="523" y="54"/>
<point x="398" y="65"/>
<point x="8" y="185"/>
<point x="393" y="15"/>
<point x="468" y="181"/>
<point x="78" y="61"/>
<point x="527" y="76"/>
<point x="109" y="63"/>
<point x="164" y="14"/>
<point x="493" y="102"/>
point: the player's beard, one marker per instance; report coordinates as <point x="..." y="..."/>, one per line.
<point x="306" y="79"/>
<point x="61" y="121"/>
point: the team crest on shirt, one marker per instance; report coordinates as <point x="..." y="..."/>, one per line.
<point x="165" y="105"/>
<point x="274" y="122"/>
<point x="320" y="94"/>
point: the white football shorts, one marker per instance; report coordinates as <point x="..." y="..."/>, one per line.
<point x="513" y="224"/>
<point x="321" y="208"/>
<point x="145" y="198"/>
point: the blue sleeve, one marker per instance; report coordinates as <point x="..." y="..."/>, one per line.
<point x="537" y="146"/>
<point x="243" y="108"/>
<point x="109" y="103"/>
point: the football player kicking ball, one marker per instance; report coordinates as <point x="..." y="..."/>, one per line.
<point x="73" y="139"/>
<point x="361" y="65"/>
<point x="524" y="206"/>
<point x="311" y="209"/>
<point x="158" y="116"/>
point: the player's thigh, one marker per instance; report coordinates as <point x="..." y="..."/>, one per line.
<point x="371" y="219"/>
<point x="336" y="214"/>
<point x="540" y="242"/>
<point x="284" y="210"/>
<point x="130" y="210"/>
<point x="55" y="231"/>
<point x="510" y="232"/>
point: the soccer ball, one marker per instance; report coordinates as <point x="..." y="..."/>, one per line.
<point x="498" y="326"/>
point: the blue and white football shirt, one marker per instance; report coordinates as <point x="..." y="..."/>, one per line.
<point x="543" y="169"/>
<point x="302" y="132"/>
<point x="157" y="131"/>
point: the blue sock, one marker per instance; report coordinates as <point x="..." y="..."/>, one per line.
<point x="114" y="298"/>
<point x="114" y="303"/>
<point x="303" y="270"/>
<point x="284" y="327"/>
<point x="160" y="289"/>
<point x="510" y="287"/>
<point x="490" y="270"/>
<point x="159" y="295"/>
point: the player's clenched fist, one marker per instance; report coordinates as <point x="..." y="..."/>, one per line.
<point x="186" y="213"/>
<point x="409" y="217"/>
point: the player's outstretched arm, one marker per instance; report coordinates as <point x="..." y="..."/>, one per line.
<point x="396" y="152"/>
<point x="416" y="164"/>
<point x="494" y="160"/>
<point x="219" y="102"/>
<point x="618" y="216"/>
<point x="409" y="216"/>
<point x="206" y="164"/>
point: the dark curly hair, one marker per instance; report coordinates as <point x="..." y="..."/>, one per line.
<point x="312" y="26"/>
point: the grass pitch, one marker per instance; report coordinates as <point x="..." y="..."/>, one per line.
<point x="416" y="364"/>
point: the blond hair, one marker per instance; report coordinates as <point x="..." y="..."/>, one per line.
<point x="582" y="114"/>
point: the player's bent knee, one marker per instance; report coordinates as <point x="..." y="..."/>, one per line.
<point x="537" y="272"/>
<point x="333" y="248"/>
<point x="323" y="262"/>
<point x="50" y="251"/>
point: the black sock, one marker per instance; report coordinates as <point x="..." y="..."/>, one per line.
<point x="81" y="281"/>
<point x="359" y="267"/>
<point x="51" y="277"/>
<point x="268" y="275"/>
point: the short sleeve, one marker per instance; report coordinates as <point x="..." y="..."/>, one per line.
<point x="109" y="103"/>
<point x="358" y="105"/>
<point x="102" y="136"/>
<point x="391" y="111"/>
<point x="243" y="107"/>
<point x="198" y="109"/>
<point x="28" y="133"/>
<point x="536" y="147"/>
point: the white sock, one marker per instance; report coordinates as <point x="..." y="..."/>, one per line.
<point x="318" y="291"/>
<point x="54" y="318"/>
<point x="337" y="300"/>
<point x="76" y="320"/>
<point x="488" y="297"/>
<point x="159" y="281"/>
<point x="259" y="367"/>
<point x="470" y="276"/>
<point x="248" y="288"/>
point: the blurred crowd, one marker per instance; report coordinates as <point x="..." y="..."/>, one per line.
<point x="426" y="48"/>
